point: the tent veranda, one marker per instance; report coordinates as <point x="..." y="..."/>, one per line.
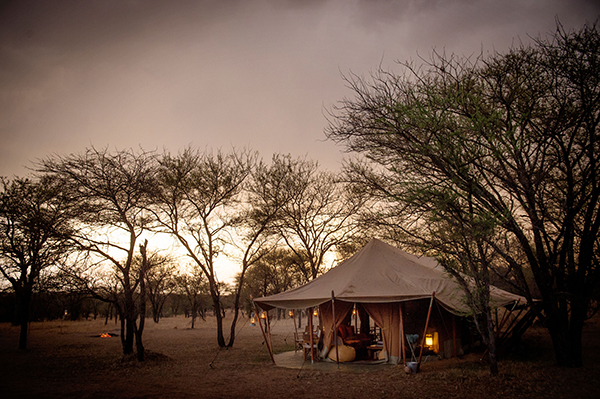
<point x="383" y="280"/>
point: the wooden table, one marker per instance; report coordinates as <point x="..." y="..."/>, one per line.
<point x="372" y="350"/>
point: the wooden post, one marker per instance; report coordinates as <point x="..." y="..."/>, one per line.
<point x="426" y="325"/>
<point x="310" y="340"/>
<point x="263" y="332"/>
<point x="337" y="352"/>
<point x="454" y="351"/>
<point x="269" y="335"/>
<point x="402" y="347"/>
<point x="295" y="330"/>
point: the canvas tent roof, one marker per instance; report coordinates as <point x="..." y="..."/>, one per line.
<point x="381" y="273"/>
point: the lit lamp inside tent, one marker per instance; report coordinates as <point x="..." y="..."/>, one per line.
<point x="429" y="340"/>
<point x="432" y="342"/>
<point x="291" y="313"/>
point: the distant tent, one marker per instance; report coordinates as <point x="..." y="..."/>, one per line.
<point x="393" y="287"/>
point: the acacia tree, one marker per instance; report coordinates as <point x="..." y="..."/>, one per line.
<point x="192" y="284"/>
<point x="318" y="215"/>
<point x="265" y="195"/>
<point x="195" y="199"/>
<point x="518" y="133"/>
<point x="276" y="272"/>
<point x="160" y="282"/>
<point x="108" y="194"/>
<point x="34" y="229"/>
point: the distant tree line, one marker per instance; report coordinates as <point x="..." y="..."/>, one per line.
<point x="92" y="224"/>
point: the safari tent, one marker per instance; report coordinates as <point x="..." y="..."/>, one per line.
<point x="404" y="295"/>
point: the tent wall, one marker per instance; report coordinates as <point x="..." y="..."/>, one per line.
<point x="387" y="317"/>
<point x="448" y="326"/>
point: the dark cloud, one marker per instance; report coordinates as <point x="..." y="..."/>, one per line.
<point x="221" y="73"/>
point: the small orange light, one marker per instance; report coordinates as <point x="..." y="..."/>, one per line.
<point x="291" y="313"/>
<point x="263" y="315"/>
<point x="315" y="313"/>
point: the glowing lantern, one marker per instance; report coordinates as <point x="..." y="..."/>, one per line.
<point x="263" y="315"/>
<point x="315" y="313"/>
<point x="252" y="320"/>
<point x="291" y="313"/>
<point x="428" y="340"/>
<point x="354" y="311"/>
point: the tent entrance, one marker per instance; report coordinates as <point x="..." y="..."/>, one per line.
<point x="379" y="331"/>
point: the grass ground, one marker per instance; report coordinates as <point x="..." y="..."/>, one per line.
<point x="67" y="360"/>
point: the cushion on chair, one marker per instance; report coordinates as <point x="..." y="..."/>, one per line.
<point x="342" y="332"/>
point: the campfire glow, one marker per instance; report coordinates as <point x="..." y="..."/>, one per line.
<point x="105" y="335"/>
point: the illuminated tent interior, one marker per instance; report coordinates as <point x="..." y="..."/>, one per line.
<point x="381" y="294"/>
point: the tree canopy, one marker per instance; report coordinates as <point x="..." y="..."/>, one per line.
<point x="507" y="145"/>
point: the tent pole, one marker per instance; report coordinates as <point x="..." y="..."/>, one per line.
<point x="267" y="321"/>
<point x="262" y="331"/>
<point x="337" y="355"/>
<point x="310" y="340"/>
<point x="402" y="347"/>
<point x="295" y="330"/>
<point x="426" y="325"/>
<point x="454" y="351"/>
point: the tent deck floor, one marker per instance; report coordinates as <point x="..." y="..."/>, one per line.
<point x="295" y="360"/>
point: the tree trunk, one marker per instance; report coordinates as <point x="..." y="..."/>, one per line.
<point x="138" y="340"/>
<point x="214" y="293"/>
<point x="219" y="316"/>
<point x="22" y="316"/>
<point x="491" y="344"/>
<point x="566" y="336"/>
<point x="236" y="313"/>
<point x="142" y="309"/>
<point x="129" y="336"/>
<point x="193" y="318"/>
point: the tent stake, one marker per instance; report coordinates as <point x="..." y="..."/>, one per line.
<point x="426" y="325"/>
<point x="337" y="356"/>
<point x="262" y="331"/>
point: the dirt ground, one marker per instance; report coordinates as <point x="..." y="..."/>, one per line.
<point x="67" y="360"/>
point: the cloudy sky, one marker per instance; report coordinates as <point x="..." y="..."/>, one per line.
<point x="221" y="74"/>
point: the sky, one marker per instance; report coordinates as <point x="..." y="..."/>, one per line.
<point x="259" y="74"/>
